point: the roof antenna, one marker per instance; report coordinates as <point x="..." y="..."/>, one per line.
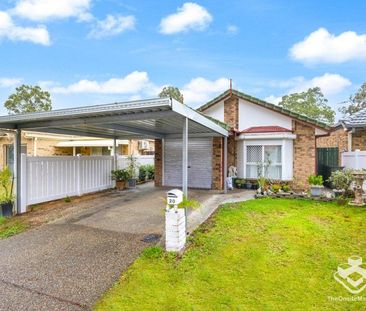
<point x="231" y="87"/>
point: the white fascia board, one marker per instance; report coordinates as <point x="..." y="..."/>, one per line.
<point x="255" y="136"/>
<point x="193" y="115"/>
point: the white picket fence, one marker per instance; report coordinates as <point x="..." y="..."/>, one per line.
<point x="355" y="160"/>
<point x="122" y="161"/>
<point x="50" y="178"/>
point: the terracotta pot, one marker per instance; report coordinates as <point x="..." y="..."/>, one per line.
<point x="120" y="184"/>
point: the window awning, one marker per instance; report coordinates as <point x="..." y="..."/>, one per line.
<point x="155" y="118"/>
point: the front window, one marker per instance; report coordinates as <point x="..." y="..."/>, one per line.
<point x="264" y="161"/>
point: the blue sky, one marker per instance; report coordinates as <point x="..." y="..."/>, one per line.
<point x="92" y="51"/>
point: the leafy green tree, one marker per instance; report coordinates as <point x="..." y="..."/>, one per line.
<point x="28" y="98"/>
<point x="356" y="102"/>
<point x="310" y="103"/>
<point x="173" y="92"/>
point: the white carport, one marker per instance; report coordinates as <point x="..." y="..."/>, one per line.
<point x="162" y="118"/>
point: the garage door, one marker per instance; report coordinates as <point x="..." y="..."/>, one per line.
<point x="199" y="163"/>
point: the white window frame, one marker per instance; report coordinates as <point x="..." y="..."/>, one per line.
<point x="262" y="162"/>
<point x="286" y="156"/>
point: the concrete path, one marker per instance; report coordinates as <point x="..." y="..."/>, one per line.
<point x="70" y="263"/>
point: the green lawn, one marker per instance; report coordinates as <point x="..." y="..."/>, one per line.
<point x="269" y="254"/>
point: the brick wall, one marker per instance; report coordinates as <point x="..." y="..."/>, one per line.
<point x="158" y="162"/>
<point x="231" y="111"/>
<point x="217" y="160"/>
<point x="304" y="154"/>
<point x="231" y="117"/>
<point x="359" y="140"/>
<point x="336" y="139"/>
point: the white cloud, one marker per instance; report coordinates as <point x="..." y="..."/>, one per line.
<point x="329" y="83"/>
<point x="42" y="10"/>
<point x="135" y="82"/>
<point x="273" y="99"/>
<point x="323" y="47"/>
<point x="200" y="90"/>
<point x="190" y="16"/>
<point x="9" y="82"/>
<point x="9" y="30"/>
<point x="112" y="25"/>
<point x="232" y="29"/>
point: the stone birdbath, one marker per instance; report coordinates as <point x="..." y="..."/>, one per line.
<point x="359" y="177"/>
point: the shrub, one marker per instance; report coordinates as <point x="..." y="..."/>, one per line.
<point x="120" y="175"/>
<point x="6" y="191"/>
<point x="276" y="187"/>
<point x="150" y="169"/>
<point x="142" y="173"/>
<point x="286" y="188"/>
<point x="316" y="180"/>
<point x="341" y="180"/>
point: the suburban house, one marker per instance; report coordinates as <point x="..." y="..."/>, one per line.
<point x="345" y="145"/>
<point x="193" y="148"/>
<point x="348" y="135"/>
<point x="49" y="144"/>
<point x="264" y="137"/>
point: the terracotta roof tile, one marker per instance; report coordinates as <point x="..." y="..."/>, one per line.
<point x="265" y="129"/>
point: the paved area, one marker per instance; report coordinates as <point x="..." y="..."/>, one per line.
<point x="69" y="263"/>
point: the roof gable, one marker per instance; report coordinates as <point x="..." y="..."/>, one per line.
<point x="265" y="104"/>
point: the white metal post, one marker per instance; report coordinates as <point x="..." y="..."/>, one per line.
<point x="17" y="170"/>
<point x="225" y="164"/>
<point x="114" y="153"/>
<point x="185" y="158"/>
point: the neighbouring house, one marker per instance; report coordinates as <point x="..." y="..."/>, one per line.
<point x="348" y="135"/>
<point x="265" y="138"/>
<point x="48" y="144"/>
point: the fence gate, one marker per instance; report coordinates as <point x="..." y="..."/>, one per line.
<point x="327" y="162"/>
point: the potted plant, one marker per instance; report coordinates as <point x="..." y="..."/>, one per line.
<point x="248" y="184"/>
<point x="341" y="181"/>
<point x="6" y="198"/>
<point x="120" y="176"/>
<point x="132" y="169"/>
<point x="316" y="185"/>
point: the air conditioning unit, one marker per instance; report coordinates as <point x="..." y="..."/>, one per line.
<point x="143" y="144"/>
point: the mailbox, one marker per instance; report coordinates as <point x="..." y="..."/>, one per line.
<point x="174" y="197"/>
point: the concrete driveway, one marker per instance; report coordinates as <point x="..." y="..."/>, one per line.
<point x="70" y="263"/>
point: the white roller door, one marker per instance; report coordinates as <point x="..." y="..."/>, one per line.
<point x="199" y="163"/>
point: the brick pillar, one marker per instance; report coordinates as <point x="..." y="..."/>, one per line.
<point x="231" y="117"/>
<point x="158" y="163"/>
<point x="231" y="111"/>
<point x="304" y="154"/>
<point x="217" y="163"/>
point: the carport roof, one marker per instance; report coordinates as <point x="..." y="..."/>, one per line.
<point x="153" y="118"/>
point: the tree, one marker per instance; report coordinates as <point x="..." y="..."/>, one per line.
<point x="172" y="92"/>
<point x="310" y="103"/>
<point x="28" y="98"/>
<point x="356" y="102"/>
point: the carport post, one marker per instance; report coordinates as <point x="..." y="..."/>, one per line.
<point x="115" y="153"/>
<point x="185" y="158"/>
<point x="225" y="164"/>
<point x="17" y="170"/>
